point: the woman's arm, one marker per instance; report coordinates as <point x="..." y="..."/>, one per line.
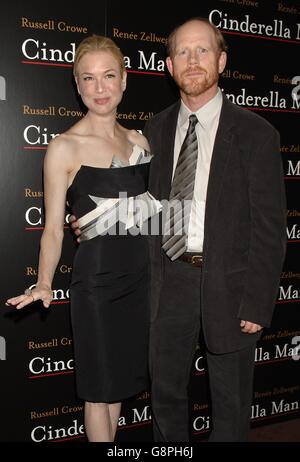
<point x="137" y="138"/>
<point x="55" y="186"/>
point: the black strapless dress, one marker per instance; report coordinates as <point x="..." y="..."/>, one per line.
<point x="109" y="293"/>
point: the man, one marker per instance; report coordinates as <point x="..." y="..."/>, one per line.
<point x="223" y="276"/>
<point x="221" y="272"/>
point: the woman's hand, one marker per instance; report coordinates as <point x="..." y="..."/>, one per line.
<point x="75" y="226"/>
<point x="42" y="293"/>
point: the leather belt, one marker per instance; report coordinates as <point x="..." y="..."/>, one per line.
<point x="194" y="259"/>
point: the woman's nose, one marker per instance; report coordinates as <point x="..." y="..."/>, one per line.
<point x="99" y="86"/>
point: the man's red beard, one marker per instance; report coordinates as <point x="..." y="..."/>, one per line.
<point x="198" y="84"/>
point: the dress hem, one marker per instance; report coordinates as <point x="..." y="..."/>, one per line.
<point x="115" y="400"/>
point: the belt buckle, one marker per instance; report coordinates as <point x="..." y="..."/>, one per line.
<point x="196" y="259"/>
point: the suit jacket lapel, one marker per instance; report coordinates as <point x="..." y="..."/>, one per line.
<point x="167" y="151"/>
<point x="221" y="153"/>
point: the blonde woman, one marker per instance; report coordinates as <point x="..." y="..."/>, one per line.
<point x="92" y="165"/>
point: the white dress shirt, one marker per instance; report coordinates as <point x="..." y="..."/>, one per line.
<point x="208" y="117"/>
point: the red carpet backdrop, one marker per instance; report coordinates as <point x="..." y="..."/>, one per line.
<point x="38" y="101"/>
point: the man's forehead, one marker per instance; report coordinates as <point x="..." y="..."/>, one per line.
<point x="195" y="31"/>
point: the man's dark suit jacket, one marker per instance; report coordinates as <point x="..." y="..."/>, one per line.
<point x="245" y="222"/>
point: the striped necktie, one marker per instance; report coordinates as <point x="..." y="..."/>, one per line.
<point x="177" y="219"/>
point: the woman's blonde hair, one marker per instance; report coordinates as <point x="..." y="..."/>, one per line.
<point x="98" y="43"/>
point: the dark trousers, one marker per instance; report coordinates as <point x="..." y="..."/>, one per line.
<point x="173" y="340"/>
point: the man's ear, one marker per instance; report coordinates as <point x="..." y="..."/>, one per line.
<point x="169" y="65"/>
<point x="222" y="61"/>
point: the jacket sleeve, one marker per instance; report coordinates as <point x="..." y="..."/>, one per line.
<point x="268" y="231"/>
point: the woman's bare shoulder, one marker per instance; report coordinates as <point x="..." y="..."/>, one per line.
<point x="62" y="149"/>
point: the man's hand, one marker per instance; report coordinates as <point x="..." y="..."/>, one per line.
<point x="250" y="327"/>
<point x="75" y="226"/>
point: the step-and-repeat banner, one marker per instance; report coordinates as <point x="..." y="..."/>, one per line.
<point x="38" y="101"/>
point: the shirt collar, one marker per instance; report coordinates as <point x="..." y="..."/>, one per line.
<point x="205" y="114"/>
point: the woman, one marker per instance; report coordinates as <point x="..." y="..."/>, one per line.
<point x="92" y="164"/>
